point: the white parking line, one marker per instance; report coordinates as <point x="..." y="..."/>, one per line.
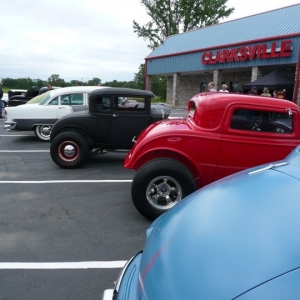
<point x="63" y="265"/>
<point x="16" y="135"/>
<point x="34" y="151"/>
<point x="58" y="265"/>
<point x="15" y="151"/>
<point x="65" y="181"/>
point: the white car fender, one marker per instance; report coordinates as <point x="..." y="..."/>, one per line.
<point x="34" y="111"/>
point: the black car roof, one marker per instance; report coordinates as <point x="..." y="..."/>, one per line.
<point x="123" y="91"/>
<point x="45" y="89"/>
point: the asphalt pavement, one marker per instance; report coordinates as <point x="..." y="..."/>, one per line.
<point x="64" y="234"/>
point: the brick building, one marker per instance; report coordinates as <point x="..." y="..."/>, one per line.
<point x="234" y="52"/>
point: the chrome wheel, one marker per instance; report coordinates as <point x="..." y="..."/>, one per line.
<point x="163" y="192"/>
<point x="68" y="151"/>
<point x="159" y="185"/>
<point x="43" y="132"/>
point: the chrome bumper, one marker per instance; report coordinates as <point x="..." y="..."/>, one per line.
<point x="10" y="125"/>
<point x="108" y="294"/>
<point x="111" y="294"/>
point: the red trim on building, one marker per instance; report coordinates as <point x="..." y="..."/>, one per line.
<point x="145" y="76"/>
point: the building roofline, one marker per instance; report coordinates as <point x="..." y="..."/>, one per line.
<point x="149" y="57"/>
<point x="261" y="13"/>
<point x="225" y="45"/>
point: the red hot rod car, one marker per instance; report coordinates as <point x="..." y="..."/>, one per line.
<point x="223" y="133"/>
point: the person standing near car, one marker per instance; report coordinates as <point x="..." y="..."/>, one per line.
<point x="253" y="91"/>
<point x="224" y="89"/>
<point x="211" y="87"/>
<point x="266" y="93"/>
<point x="1" y="95"/>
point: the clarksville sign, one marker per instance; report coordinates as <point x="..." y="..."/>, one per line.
<point x="243" y="53"/>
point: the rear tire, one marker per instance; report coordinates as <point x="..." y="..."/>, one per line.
<point x="69" y="150"/>
<point x="159" y="185"/>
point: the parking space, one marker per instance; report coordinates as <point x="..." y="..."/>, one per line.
<point x="64" y="233"/>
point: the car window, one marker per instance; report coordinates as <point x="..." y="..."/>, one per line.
<point x="129" y="104"/>
<point x="103" y="103"/>
<point x="192" y="107"/>
<point x="65" y="99"/>
<point x="41" y="99"/>
<point x="263" y="121"/>
<point x="76" y="99"/>
<point x="54" y="101"/>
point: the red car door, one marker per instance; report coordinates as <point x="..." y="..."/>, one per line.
<point x="256" y="135"/>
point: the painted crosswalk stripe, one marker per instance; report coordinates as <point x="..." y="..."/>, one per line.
<point x="65" y="181"/>
<point x="62" y="265"/>
<point x="23" y="151"/>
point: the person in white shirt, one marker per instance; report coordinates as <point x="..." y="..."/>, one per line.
<point x="211" y="87"/>
<point x="224" y="89"/>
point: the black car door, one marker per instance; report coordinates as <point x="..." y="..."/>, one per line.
<point x="130" y="117"/>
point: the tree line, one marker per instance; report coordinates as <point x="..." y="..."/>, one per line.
<point x="158" y="83"/>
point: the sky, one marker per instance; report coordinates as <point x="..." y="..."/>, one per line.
<point x="83" y="39"/>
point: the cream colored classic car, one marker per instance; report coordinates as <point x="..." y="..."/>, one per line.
<point x="40" y="113"/>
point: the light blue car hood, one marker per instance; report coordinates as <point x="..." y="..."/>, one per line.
<point x="226" y="238"/>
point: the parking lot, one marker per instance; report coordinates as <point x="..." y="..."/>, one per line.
<point x="64" y="233"/>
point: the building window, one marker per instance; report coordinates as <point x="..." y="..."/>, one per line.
<point x="234" y="86"/>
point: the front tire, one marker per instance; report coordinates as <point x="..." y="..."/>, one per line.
<point x="159" y="185"/>
<point x="43" y="132"/>
<point x="69" y="150"/>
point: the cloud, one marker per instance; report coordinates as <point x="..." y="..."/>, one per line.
<point x="76" y="39"/>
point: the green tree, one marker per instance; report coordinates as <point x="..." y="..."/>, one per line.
<point x="20" y="83"/>
<point x="159" y="86"/>
<point x="94" y="81"/>
<point x="158" y="83"/>
<point x="38" y="83"/>
<point x="171" y="17"/>
<point x="73" y="82"/>
<point x="139" y="77"/>
<point x="55" y="80"/>
<point x="28" y="83"/>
